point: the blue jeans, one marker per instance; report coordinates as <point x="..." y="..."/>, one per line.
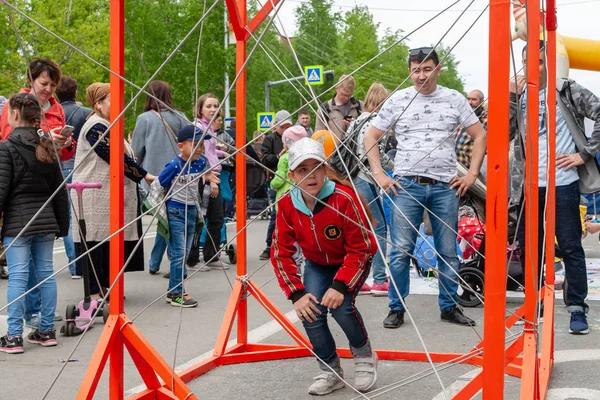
<point x="369" y="193"/>
<point x="272" y="199"/>
<point x="30" y="253"/>
<point x="443" y="202"/>
<point x="317" y="280"/>
<point x="182" y="225"/>
<point x="158" y="251"/>
<point x="75" y="268"/>
<point x="568" y="236"/>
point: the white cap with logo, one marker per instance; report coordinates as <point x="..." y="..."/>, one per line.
<point x="305" y="149"/>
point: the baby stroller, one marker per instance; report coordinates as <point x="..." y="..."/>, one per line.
<point x="257" y="199"/>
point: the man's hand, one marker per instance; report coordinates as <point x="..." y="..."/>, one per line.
<point x="332" y="299"/>
<point x="568" y="161"/>
<point x="463" y="184"/>
<point x="386" y="182"/>
<point x="519" y="85"/>
<point x="306" y="308"/>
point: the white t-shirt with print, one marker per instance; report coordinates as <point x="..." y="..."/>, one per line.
<point x="426" y="130"/>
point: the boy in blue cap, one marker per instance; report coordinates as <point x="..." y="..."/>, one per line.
<point x="182" y="206"/>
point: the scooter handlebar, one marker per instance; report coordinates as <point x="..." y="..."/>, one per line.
<point x="80" y="186"/>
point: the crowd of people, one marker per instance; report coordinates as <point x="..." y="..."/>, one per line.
<point x="403" y="146"/>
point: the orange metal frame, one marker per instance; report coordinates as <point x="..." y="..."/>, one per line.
<point x="518" y="359"/>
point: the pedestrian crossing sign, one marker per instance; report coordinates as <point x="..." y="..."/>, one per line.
<point x="314" y="74"/>
<point x="264" y="120"/>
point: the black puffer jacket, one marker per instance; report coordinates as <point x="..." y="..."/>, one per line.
<point x="26" y="184"/>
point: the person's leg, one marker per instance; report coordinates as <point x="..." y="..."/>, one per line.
<point x="41" y="251"/>
<point x="213" y="229"/>
<point x="568" y="235"/>
<point x="371" y="196"/>
<point x="157" y="254"/>
<point x="317" y="280"/>
<point x="18" y="258"/>
<point x="176" y="248"/>
<point x="524" y="237"/>
<point x="33" y="298"/>
<point x="269" y="239"/>
<point x="405" y="221"/>
<point x="443" y="203"/>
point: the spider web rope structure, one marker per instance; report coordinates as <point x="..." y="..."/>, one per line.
<point x="146" y="359"/>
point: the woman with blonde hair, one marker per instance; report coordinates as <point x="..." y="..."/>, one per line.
<point x="92" y="164"/>
<point x="366" y="185"/>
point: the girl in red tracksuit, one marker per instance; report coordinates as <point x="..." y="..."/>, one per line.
<point x="334" y="236"/>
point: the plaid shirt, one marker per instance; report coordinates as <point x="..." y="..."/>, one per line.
<point x="464" y="143"/>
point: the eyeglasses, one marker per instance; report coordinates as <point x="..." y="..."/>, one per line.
<point x="421" y="50"/>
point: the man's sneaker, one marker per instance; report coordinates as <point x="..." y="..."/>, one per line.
<point x="217" y="265"/>
<point x="57" y="317"/>
<point x="365" y="372"/>
<point x="76" y="277"/>
<point x="45" y="339"/>
<point x="11" y="345"/>
<point x="184" y="301"/>
<point x="365" y="289"/>
<point x="579" y="325"/>
<point x="394" y="319"/>
<point x="455" y="315"/>
<point x="325" y="383"/>
<point x="380" y="289"/>
<point x="34" y="322"/>
<point x="199" y="267"/>
<point x="3" y="272"/>
<point x="152" y="272"/>
<point x="168" y="276"/>
<point x="265" y="255"/>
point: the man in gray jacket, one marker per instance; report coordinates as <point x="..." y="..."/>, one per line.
<point x="576" y="172"/>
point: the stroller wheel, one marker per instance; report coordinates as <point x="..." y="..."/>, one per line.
<point x="71" y="312"/>
<point x="471" y="283"/>
<point x="105" y="312"/>
<point x="232" y="253"/>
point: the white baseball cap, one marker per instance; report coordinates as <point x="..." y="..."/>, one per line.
<point x="282" y="117"/>
<point x="305" y="149"/>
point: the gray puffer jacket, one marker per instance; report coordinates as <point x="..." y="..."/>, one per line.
<point x="576" y="103"/>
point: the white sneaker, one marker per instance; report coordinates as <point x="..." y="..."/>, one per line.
<point x="199" y="267"/>
<point x="325" y="383"/>
<point x="365" y="372"/>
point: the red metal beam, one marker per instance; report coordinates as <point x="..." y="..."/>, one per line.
<point x="496" y="202"/>
<point x="261" y="15"/>
<point x="235" y="18"/>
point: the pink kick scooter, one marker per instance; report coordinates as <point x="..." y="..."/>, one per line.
<point x="79" y="317"/>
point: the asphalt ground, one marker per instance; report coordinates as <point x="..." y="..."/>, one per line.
<point x="31" y="375"/>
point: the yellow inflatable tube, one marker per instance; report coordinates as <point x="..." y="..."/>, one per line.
<point x="583" y="53"/>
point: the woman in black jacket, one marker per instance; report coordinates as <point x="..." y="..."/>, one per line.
<point x="29" y="175"/>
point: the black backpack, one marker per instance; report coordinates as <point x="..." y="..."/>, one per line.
<point x="345" y="159"/>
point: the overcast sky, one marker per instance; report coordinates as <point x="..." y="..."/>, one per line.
<point x="576" y="18"/>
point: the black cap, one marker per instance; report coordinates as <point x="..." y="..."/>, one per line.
<point x="189" y="132"/>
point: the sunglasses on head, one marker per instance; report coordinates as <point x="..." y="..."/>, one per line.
<point x="421" y="50"/>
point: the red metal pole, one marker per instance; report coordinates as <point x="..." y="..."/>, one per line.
<point x="240" y="176"/>
<point x="530" y="378"/>
<point x="547" y="356"/>
<point x="117" y="149"/>
<point x="496" y="203"/>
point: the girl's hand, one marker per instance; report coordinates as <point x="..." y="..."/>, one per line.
<point x="282" y="152"/>
<point x="306" y="308"/>
<point x="332" y="299"/>
<point x="214" y="190"/>
<point x="149" y="178"/>
<point x="592" y="227"/>
<point x="212" y="177"/>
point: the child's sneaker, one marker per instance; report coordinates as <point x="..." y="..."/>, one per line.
<point x="45" y="339"/>
<point x="11" y="345"/>
<point x="365" y="372"/>
<point x="325" y="383"/>
<point x="185" y="301"/>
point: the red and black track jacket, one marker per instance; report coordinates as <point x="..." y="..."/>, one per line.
<point x="335" y="235"/>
